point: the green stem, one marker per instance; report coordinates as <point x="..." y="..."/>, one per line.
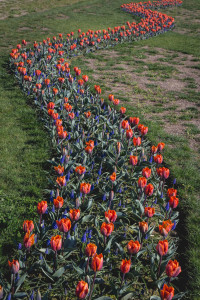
<point x="92" y="286"/>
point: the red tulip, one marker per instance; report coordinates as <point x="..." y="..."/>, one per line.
<point x="171" y="192"/>
<point x="163" y="172"/>
<point x="143" y="226"/>
<point x="133" y="160"/>
<point x="134" y="121"/>
<point x="82" y="289"/>
<point x="42" y="207"/>
<point x="14" y="266"/>
<point x="80" y="170"/>
<point x="56" y="242"/>
<point x="58" y="202"/>
<point x="161" y="146"/>
<point x="129" y="133"/>
<point x="136" y="141"/>
<point x="172" y="268"/>
<point x="107" y="229"/>
<point x="173" y="202"/>
<point x="125" y="124"/>
<point x="125" y="266"/>
<point x="122" y="110"/>
<point x="59" y="169"/>
<point x="97" y="262"/>
<point x="74" y="214"/>
<point x="61" y="181"/>
<point x="149" y="190"/>
<point x="146" y="172"/>
<point x="85" y="188"/>
<point x="158" y="159"/>
<point x="111" y="97"/>
<point x="110" y="216"/>
<point x="90" y="250"/>
<point x="167" y="293"/>
<point x="28" y="226"/>
<point x="149" y="211"/>
<point x="165" y="228"/>
<point x="154" y="149"/>
<point x="64" y="225"/>
<point x="162" y="247"/>
<point x="113" y="176"/>
<point x="142" y="182"/>
<point x="133" y="247"/>
<point x="29" y="240"/>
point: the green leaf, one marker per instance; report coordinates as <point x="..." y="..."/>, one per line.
<point x="59" y="272"/>
<point x="104" y="298"/>
<point x="20" y="295"/>
<point x="47" y="275"/>
<point x="87" y="218"/>
<point x="109" y="243"/>
<point x="121" y="250"/>
<point x="128" y="295"/>
<point x="78" y="270"/>
<point x="155" y="298"/>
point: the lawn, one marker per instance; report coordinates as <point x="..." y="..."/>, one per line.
<point x="172" y="114"/>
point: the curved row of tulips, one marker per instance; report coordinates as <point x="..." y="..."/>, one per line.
<point x="106" y="228"/>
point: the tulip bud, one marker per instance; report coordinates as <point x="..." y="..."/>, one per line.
<point x="167" y="293"/>
<point x="162" y="247"/>
<point x="82" y="289"/>
<point x="125" y="266"/>
<point x="133" y="247"/>
<point x="97" y="262"/>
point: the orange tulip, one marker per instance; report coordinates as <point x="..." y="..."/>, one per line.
<point x="129" y="133"/>
<point x="80" y="170"/>
<point x="158" y="159"/>
<point x="85" y="78"/>
<point x="161" y="146"/>
<point x="90" y="250"/>
<point x="85" y="188"/>
<point x="163" y="172"/>
<point x="167" y="293"/>
<point x="14" y="266"/>
<point x="125" y="266"/>
<point x="61" y="181"/>
<point x="87" y="114"/>
<point x="171" y="192"/>
<point x="97" y="262"/>
<point x="113" y="176"/>
<point x="142" y="182"/>
<point x="42" y="207"/>
<point x="29" y="240"/>
<point x="82" y="289"/>
<point x="90" y="143"/>
<point x="149" y="211"/>
<point x="71" y="115"/>
<point x="56" y="242"/>
<point x="134" y="121"/>
<point x="122" y="110"/>
<point x="133" y="160"/>
<point x="136" y="141"/>
<point x="133" y="247"/>
<point x="116" y="101"/>
<point x="89" y="149"/>
<point x="64" y="225"/>
<point x="111" y="97"/>
<point x="162" y="247"/>
<point x="107" y="229"/>
<point x="110" y="216"/>
<point x="143" y="226"/>
<point x="59" y="169"/>
<point x="47" y="81"/>
<point x="173" y="202"/>
<point x="28" y="226"/>
<point x="74" y="214"/>
<point x="154" y="149"/>
<point x="165" y="228"/>
<point x="50" y="105"/>
<point x="146" y="172"/>
<point x="172" y="268"/>
<point x="58" y="202"/>
<point x="149" y="190"/>
<point x="125" y="124"/>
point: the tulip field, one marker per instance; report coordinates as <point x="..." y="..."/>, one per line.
<point x="106" y="227"/>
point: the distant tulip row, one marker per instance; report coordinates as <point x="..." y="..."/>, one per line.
<point x="121" y="204"/>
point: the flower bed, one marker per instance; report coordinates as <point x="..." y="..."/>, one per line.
<point x="105" y="232"/>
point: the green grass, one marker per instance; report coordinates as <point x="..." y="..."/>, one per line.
<point x="25" y="145"/>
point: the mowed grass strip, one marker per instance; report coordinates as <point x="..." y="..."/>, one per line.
<point x="25" y="145"/>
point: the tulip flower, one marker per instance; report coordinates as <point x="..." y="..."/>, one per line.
<point x="28" y="226"/>
<point x="133" y="160"/>
<point x="171" y="192"/>
<point x="125" y="124"/>
<point x="129" y="133"/>
<point x="149" y="212"/>
<point x="29" y="240"/>
<point x="14" y="266"/>
<point x="1" y="292"/>
<point x="61" y="181"/>
<point x="97" y="262"/>
<point x="162" y="247"/>
<point x="42" y="207"/>
<point x="158" y="159"/>
<point x="154" y="149"/>
<point x="82" y="289"/>
<point x="143" y="226"/>
<point x="125" y="266"/>
<point x="172" y="268"/>
<point x="142" y="182"/>
<point x="136" y="141"/>
<point x="173" y="202"/>
<point x="146" y="172"/>
<point x="122" y="110"/>
<point x="134" y="121"/>
<point x="149" y="190"/>
<point x="74" y="214"/>
<point x="56" y="242"/>
<point x="85" y="188"/>
<point x="133" y="247"/>
<point x="64" y="225"/>
<point x="161" y="146"/>
<point x="58" y="202"/>
<point x="110" y="216"/>
<point x="59" y="169"/>
<point x="113" y="177"/>
<point x="167" y="293"/>
<point x="165" y="228"/>
<point x="90" y="250"/>
<point x="107" y="229"/>
<point x="80" y="170"/>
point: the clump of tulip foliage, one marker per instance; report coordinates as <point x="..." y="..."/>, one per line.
<point x="105" y="230"/>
